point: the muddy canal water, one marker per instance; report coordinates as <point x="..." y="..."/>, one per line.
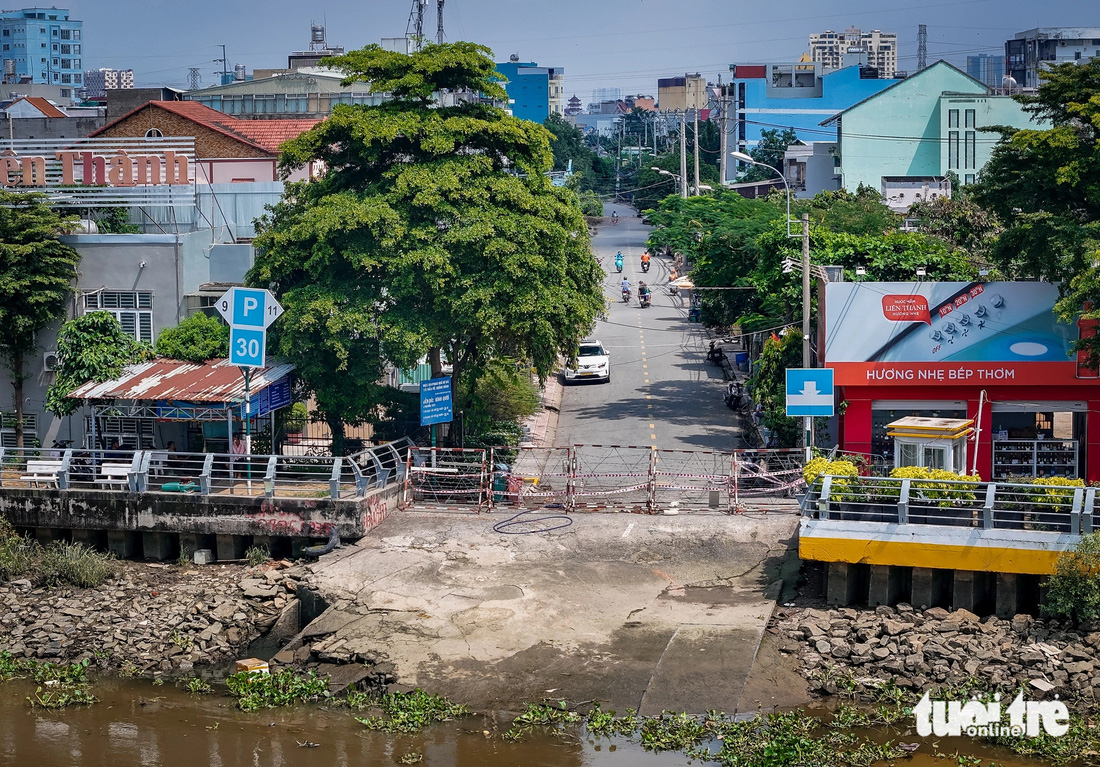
<point x="138" y="724"/>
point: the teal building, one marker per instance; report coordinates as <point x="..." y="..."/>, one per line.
<point x="923" y="127"/>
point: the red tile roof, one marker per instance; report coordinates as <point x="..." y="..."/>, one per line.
<point x="273" y="133"/>
<point x="42" y="105"/>
<point x="266" y="135"/>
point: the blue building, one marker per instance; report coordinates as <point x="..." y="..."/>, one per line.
<point x="533" y="91"/>
<point x="795" y="95"/>
<point x="988" y="69"/>
<point x="42" y="45"/>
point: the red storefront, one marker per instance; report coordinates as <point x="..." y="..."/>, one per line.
<point x="991" y="352"/>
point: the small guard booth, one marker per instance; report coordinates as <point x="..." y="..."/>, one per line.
<point x="931" y="443"/>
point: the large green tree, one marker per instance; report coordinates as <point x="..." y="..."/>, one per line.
<point x="37" y="272"/>
<point x="92" y="347"/>
<point x="769" y="150"/>
<point x="434" y="230"/>
<point x="197" y="339"/>
<point x="1044" y="185"/>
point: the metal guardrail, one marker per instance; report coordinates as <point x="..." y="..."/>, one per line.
<point x="952" y="503"/>
<point x="144" y="471"/>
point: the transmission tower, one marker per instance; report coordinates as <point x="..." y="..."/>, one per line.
<point x="439" y="25"/>
<point x="922" y="46"/>
<point x="415" y="27"/>
<point x="194" y="79"/>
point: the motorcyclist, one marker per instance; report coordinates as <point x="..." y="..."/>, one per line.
<point x="619" y="261"/>
<point x="626" y="288"/>
<point x="645" y="261"/>
<point x="643" y="294"/>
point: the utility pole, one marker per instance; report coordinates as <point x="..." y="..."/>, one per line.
<point x="683" y="156"/>
<point x="807" y="362"/>
<point x="696" y="134"/>
<point x="722" y="134"/>
<point x="225" y="65"/>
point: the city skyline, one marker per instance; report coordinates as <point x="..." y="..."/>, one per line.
<point x="625" y="44"/>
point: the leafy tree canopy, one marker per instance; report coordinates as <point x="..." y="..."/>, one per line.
<point x="433" y="231"/>
<point x="37" y="272"/>
<point x="92" y="347"/>
<point x="1044" y="185"/>
<point x="770" y="149"/>
<point x="197" y="339"/>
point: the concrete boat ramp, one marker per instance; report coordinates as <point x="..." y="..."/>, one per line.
<point x="646" y="612"/>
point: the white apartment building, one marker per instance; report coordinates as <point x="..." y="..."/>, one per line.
<point x="838" y="49"/>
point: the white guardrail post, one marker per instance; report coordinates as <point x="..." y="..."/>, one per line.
<point x="63" y="472"/>
<point x="269" y="477"/>
<point x="334" y="478"/>
<point x="903" y="502"/>
<point x="823" y="499"/>
<point x="1086" y="512"/>
<point x="1075" y="511"/>
<point x="207" y="473"/>
<point x="987" y="509"/>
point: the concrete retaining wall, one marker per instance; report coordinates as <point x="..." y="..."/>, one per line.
<point x="195" y="514"/>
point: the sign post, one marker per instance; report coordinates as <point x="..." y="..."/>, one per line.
<point x="249" y="312"/>
<point x="810" y="393"/>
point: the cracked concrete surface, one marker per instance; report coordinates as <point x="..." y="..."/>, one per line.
<point x="664" y="614"/>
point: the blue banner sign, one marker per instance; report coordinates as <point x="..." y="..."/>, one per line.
<point x="435" y="401"/>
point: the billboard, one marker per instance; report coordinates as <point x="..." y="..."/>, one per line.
<point x="950" y="333"/>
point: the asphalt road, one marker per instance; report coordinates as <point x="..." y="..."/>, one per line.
<point x="663" y="392"/>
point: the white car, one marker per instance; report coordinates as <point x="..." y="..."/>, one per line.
<point x="593" y="363"/>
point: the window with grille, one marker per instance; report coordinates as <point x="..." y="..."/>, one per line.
<point x="7" y="429"/>
<point x="132" y="309"/>
<point x="131" y="433"/>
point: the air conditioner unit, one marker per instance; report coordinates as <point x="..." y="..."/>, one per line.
<point x="49" y="362"/>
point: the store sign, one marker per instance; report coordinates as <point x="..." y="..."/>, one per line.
<point x="950" y="333"/>
<point x="118" y="169"/>
<point x="102" y="171"/>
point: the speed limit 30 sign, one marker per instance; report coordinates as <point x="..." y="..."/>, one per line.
<point x="249" y="312"/>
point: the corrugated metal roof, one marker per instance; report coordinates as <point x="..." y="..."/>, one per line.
<point x="165" y="379"/>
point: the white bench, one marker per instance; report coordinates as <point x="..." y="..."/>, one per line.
<point x="42" y="471"/>
<point x="114" y="474"/>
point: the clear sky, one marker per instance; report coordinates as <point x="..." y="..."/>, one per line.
<point x="614" y="43"/>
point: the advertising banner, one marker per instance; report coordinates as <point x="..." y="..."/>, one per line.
<point x="950" y="333"/>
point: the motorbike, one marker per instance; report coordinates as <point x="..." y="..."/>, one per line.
<point x="733" y="396"/>
<point x="626" y="295"/>
<point x="643" y="300"/>
<point x="716" y="354"/>
<point x="645" y="266"/>
<point x="619" y="265"/>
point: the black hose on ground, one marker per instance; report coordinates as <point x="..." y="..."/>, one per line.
<point x="319" y="551"/>
<point x="503" y="527"/>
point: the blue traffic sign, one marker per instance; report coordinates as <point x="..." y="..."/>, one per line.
<point x="246" y="346"/>
<point x="810" y="392"/>
<point x="435" y="401"/>
<point x="248" y="307"/>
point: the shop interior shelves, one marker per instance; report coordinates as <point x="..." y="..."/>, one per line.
<point x="1034" y="458"/>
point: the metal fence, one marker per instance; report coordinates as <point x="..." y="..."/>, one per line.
<point x="951" y="503"/>
<point x="143" y="471"/>
<point x="594" y="477"/>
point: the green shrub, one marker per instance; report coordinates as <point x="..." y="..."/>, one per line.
<point x="1073" y="591"/>
<point x="257" y="555"/>
<point x="72" y="563"/>
<point x="411" y="711"/>
<point x="15" y="557"/>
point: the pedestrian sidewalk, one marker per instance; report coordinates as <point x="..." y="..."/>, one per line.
<point x="541" y="428"/>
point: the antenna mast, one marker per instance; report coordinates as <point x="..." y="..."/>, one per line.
<point x="922" y="46"/>
<point x="415" y="27"/>
<point x="439" y="17"/>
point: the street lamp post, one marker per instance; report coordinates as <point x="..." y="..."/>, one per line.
<point x="678" y="177"/>
<point x="807" y="362"/>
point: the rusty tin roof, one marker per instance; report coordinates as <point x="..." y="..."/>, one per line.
<point x="164" y="379"/>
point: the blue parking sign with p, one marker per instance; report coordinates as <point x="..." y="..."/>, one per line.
<point x="248" y="307"/>
<point x="246" y="346"/>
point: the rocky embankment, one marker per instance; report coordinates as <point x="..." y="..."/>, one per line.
<point x="848" y="650"/>
<point x="149" y="618"/>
